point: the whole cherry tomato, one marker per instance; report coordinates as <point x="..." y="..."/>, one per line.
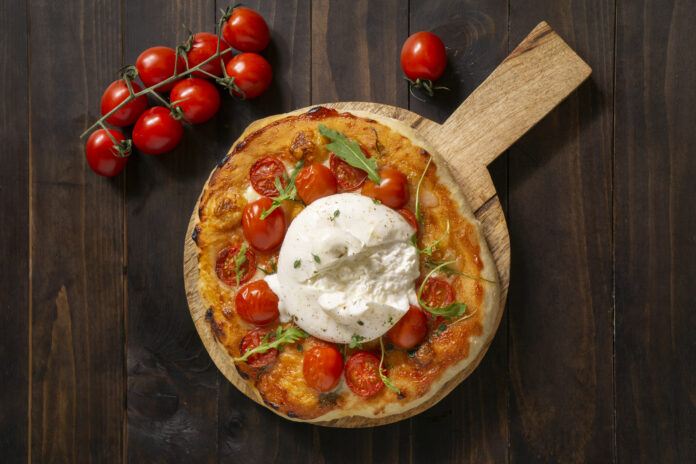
<point x="392" y="191"/>
<point x="410" y="217"/>
<point x="114" y="94"/>
<point x="322" y="367"/>
<point x="197" y="98"/>
<point x="362" y="374"/>
<point x="347" y="177"/>
<point x="204" y="46"/>
<point x="226" y="265"/>
<point x="156" y="132"/>
<point x="256" y="303"/>
<point x="254" y="339"/>
<point x="315" y="181"/>
<point x="157" y="64"/>
<point x="251" y="72"/>
<point x="263" y="173"/>
<point x="410" y="329"/>
<point x="263" y="234"/>
<point x="101" y="156"/>
<point x="246" y="31"/>
<point x="423" y="56"/>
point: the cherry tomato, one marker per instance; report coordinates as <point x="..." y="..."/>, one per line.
<point x="315" y="181"/>
<point x="251" y="72"/>
<point x="410" y="329"/>
<point x="246" y="31"/>
<point x="226" y="268"/>
<point x="263" y="234"/>
<point x="157" y="64"/>
<point x="156" y="132"/>
<point x="436" y="294"/>
<point x="423" y="56"/>
<point x="347" y="177"/>
<point x="322" y="367"/>
<point x="200" y="99"/>
<point x="410" y="217"/>
<point x="101" y="156"/>
<point x="392" y="191"/>
<point x="251" y="341"/>
<point x="256" y="303"/>
<point x="114" y="94"/>
<point x="204" y="46"/>
<point x="263" y="173"/>
<point x="362" y="374"/>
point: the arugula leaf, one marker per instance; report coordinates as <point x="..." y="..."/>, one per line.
<point x="289" y="192"/>
<point x="289" y="335"/>
<point x="297" y="263"/>
<point x="430" y="248"/>
<point x="239" y="261"/>
<point x="384" y="378"/>
<point x="418" y="215"/>
<point x="430" y="264"/>
<point x="350" y="152"/>
<point x="378" y="146"/>
<point x="317" y="259"/>
<point x="452" y="310"/>
<point x="355" y="341"/>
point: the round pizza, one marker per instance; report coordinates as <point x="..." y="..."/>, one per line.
<point x="341" y="269"/>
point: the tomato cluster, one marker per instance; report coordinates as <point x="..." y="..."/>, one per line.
<point x="192" y="97"/>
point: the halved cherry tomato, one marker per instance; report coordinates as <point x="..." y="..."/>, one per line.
<point x="315" y="181"/>
<point x="101" y="156"/>
<point x="263" y="234"/>
<point x="254" y="339"/>
<point x="251" y="72"/>
<point x="392" y="191"/>
<point x="156" y="132"/>
<point x="114" y="94"/>
<point x="423" y="56"/>
<point x="410" y="329"/>
<point x="157" y="64"/>
<point x="436" y="293"/>
<point x="348" y="178"/>
<point x="362" y="374"/>
<point x="263" y="173"/>
<point x="256" y="303"/>
<point x="410" y="217"/>
<point x="197" y="98"/>
<point x="246" y="31"/>
<point x="322" y="367"/>
<point x="203" y="47"/>
<point x="225" y="266"/>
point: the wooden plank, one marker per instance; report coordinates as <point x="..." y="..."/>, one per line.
<point x="560" y="306"/>
<point x="654" y="223"/>
<point x="76" y="239"/>
<point x="14" y="234"/>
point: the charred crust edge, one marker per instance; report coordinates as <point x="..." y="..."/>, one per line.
<point x="194" y="237"/>
<point x="241" y="373"/>
<point x="218" y="334"/>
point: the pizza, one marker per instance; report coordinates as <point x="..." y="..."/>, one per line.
<point x="342" y="272"/>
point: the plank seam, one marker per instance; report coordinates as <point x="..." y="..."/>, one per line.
<point x="613" y="241"/>
<point x="31" y="228"/>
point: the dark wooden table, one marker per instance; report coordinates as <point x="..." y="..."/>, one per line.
<point x="594" y="360"/>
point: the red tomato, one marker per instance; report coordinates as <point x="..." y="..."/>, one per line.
<point x="157" y="64"/>
<point x="315" y="181"/>
<point x="347" y="177"/>
<point x="263" y="173"/>
<point x="200" y="99"/>
<point x="156" y="132"/>
<point x="251" y="341"/>
<point x="362" y="374"/>
<point x="392" y="191"/>
<point x="204" y="46"/>
<point x="101" y="156"/>
<point x="423" y="56"/>
<point x="114" y="94"/>
<point x="251" y="72"/>
<point x="410" y="329"/>
<point x="322" y="367"/>
<point x="410" y="217"/>
<point x="246" y="31"/>
<point x="263" y="234"/>
<point x="256" y="303"/>
<point x="436" y="294"/>
<point x="225" y="266"/>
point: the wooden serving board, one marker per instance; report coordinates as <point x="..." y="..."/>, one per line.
<point x="529" y="83"/>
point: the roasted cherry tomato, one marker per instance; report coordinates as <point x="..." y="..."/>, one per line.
<point x="263" y="234"/>
<point x="436" y="294"/>
<point x="348" y="178"/>
<point x="252" y="74"/>
<point x="392" y="191"/>
<point x="101" y="156"/>
<point x="410" y="217"/>
<point x="256" y="303"/>
<point x="322" y="367"/>
<point x="246" y="31"/>
<point x="114" y="94"/>
<point x="203" y="47"/>
<point x="315" y="181"/>
<point x="226" y="265"/>
<point x="423" y="56"/>
<point x="362" y="374"/>
<point x="156" y="132"/>
<point x="263" y="173"/>
<point x="410" y="329"/>
<point x="197" y="98"/>
<point x="254" y="339"/>
<point x="157" y="64"/>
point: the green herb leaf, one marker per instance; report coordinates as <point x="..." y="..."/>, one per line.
<point x="452" y="310"/>
<point x="239" y="261"/>
<point x="361" y="323"/>
<point x="419" y="216"/>
<point x="299" y="348"/>
<point x="430" y="264"/>
<point x="384" y="378"/>
<point x="335" y="215"/>
<point x="316" y="258"/>
<point x="442" y="327"/>
<point x="289" y="192"/>
<point x="355" y="342"/>
<point x="273" y="265"/>
<point x="350" y="152"/>
<point x="390" y="320"/>
<point x="297" y="263"/>
<point x="376" y="201"/>
<point x="378" y="146"/>
<point x="289" y="335"/>
<point x="430" y="248"/>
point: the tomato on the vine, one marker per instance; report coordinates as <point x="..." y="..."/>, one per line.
<point x="392" y="191"/>
<point x="254" y="339"/>
<point x="362" y="374"/>
<point x="246" y="30"/>
<point x="156" y="64"/>
<point x="226" y="265"/>
<point x="267" y="233"/>
<point x="410" y="329"/>
<point x="114" y="94"/>
<point x="315" y="181"/>
<point x="263" y="174"/>
<point x="322" y="367"/>
<point x="423" y="56"/>
<point x="203" y="47"/>
<point x="156" y="132"/>
<point x="101" y="155"/>
<point x="197" y="98"/>
<point x="252" y="74"/>
<point x="347" y="177"/>
<point x="256" y="303"/>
